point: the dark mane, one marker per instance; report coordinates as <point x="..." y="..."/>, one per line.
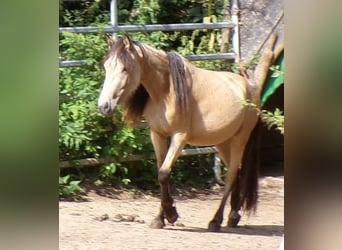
<point x="180" y="85"/>
<point x="135" y="105"/>
<point x="122" y="54"/>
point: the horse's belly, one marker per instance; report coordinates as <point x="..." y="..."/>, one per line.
<point x="213" y="132"/>
<point x="210" y="138"/>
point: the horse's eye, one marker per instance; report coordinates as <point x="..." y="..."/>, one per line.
<point x="124" y="69"/>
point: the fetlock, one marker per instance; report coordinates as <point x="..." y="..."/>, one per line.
<point x="233" y="219"/>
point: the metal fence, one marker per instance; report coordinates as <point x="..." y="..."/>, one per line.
<point x="114" y="28"/>
<point x="151" y="28"/>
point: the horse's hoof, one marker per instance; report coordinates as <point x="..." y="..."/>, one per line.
<point x="171" y="214"/>
<point x="214" y="226"/>
<point x="157" y="223"/>
<point x="234" y="220"/>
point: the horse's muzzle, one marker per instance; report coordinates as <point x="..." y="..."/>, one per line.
<point x="105" y="109"/>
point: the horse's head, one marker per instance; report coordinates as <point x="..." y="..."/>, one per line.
<point x="122" y="75"/>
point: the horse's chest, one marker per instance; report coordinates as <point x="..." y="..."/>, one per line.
<point x="160" y="125"/>
<point x="160" y="120"/>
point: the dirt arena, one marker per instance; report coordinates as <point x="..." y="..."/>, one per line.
<point x="120" y="221"/>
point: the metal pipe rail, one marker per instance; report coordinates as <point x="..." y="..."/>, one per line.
<point x="72" y="63"/>
<point x="93" y="161"/>
<point x="218" y="56"/>
<point x="147" y="28"/>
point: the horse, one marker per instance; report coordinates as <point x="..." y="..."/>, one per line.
<point x="184" y="104"/>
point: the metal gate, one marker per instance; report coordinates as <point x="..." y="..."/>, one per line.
<point x="114" y="28"/>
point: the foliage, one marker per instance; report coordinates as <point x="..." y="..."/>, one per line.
<point x="69" y="189"/>
<point x="276" y="72"/>
<point x="78" y="117"/>
<point x="82" y="13"/>
<point x="194" y="170"/>
<point x="273" y="119"/>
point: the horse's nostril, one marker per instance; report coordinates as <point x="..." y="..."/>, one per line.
<point x="106" y="106"/>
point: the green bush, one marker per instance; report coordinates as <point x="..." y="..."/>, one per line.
<point x="69" y="189"/>
<point x="80" y="124"/>
<point x="273" y="119"/>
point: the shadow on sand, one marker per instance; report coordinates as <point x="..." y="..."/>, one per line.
<point x="262" y="230"/>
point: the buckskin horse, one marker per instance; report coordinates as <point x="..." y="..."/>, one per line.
<point x="192" y="106"/>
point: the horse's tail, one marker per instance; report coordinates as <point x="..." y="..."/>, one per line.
<point x="245" y="191"/>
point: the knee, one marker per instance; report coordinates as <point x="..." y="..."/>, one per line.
<point x="163" y="177"/>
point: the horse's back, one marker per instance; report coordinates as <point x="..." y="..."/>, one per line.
<point x="218" y="83"/>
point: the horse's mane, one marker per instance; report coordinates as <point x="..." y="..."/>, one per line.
<point x="119" y="49"/>
<point x="177" y="70"/>
<point x="135" y="105"/>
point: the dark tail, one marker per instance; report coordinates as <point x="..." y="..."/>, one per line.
<point x="245" y="191"/>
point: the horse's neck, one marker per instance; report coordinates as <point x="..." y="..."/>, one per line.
<point x="155" y="73"/>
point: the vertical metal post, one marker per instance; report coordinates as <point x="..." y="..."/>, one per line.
<point x="114" y="15"/>
<point x="235" y="20"/>
<point x="217" y="170"/>
<point x="225" y="31"/>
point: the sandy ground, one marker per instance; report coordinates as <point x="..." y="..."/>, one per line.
<point x="121" y="222"/>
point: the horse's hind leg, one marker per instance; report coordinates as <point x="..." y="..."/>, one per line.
<point x="224" y="152"/>
<point x="235" y="204"/>
<point x="231" y="153"/>
<point x="245" y="190"/>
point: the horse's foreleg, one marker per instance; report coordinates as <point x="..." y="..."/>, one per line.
<point x="160" y="148"/>
<point x="175" y="148"/>
<point x="165" y="159"/>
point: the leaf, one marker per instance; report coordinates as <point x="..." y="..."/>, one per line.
<point x="211" y="43"/>
<point x="206" y="19"/>
<point x="125" y="181"/>
<point x="213" y="18"/>
<point x="64" y="180"/>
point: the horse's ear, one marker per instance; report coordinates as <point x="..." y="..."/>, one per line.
<point x="110" y="41"/>
<point x="127" y="42"/>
